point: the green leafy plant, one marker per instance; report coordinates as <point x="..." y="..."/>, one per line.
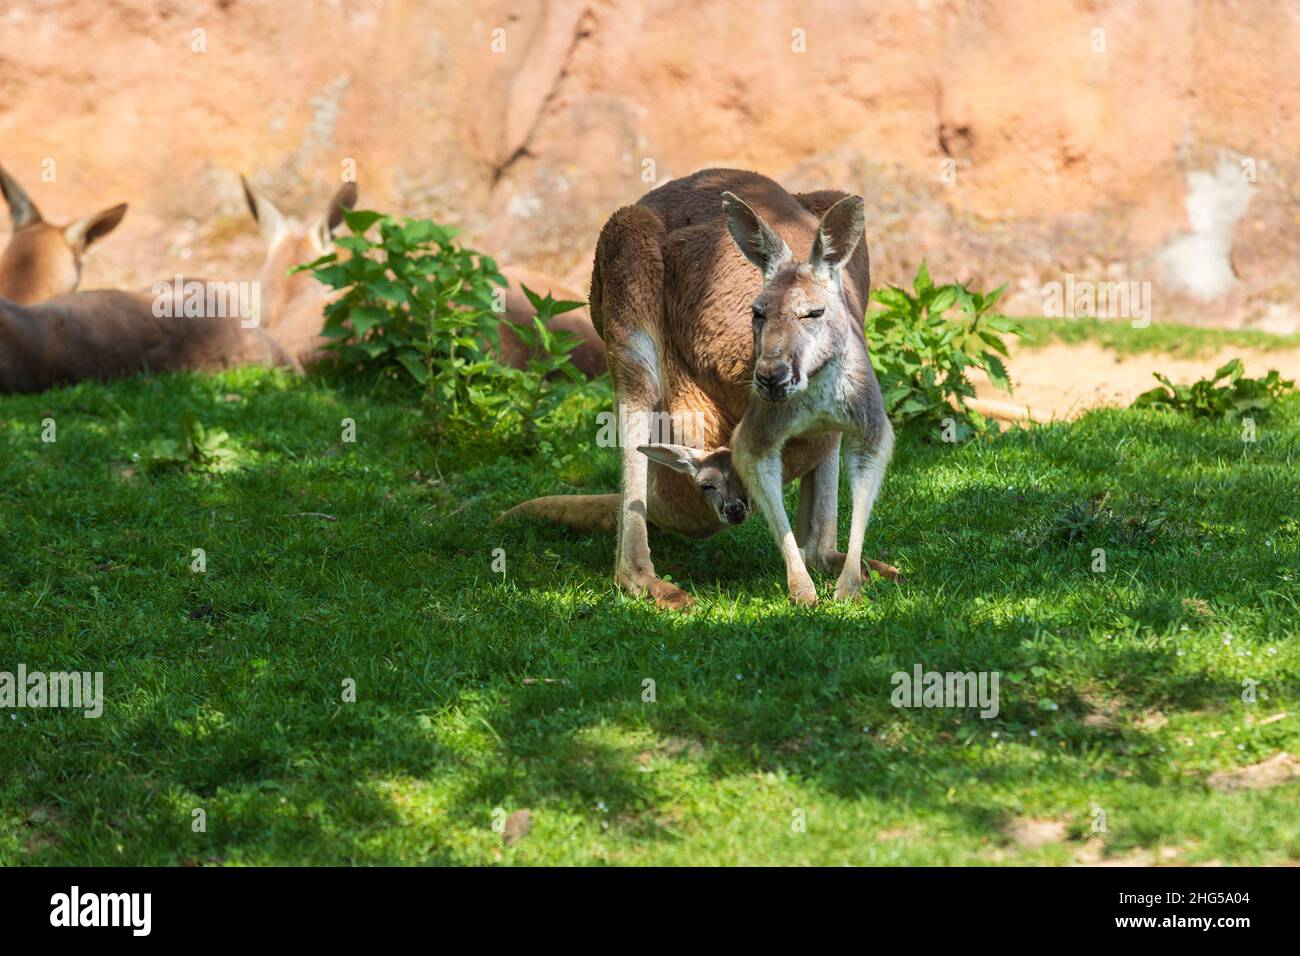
<point x="199" y="449"/>
<point x="419" y="309"/>
<point x="921" y="354"/>
<point x="411" y="297"/>
<point x="1236" y="396"/>
<point x="531" y="392"/>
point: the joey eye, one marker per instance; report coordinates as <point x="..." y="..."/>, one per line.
<point x="708" y="488"/>
<point x="815" y="313"/>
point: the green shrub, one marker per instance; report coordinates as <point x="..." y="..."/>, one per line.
<point x="420" y="311"/>
<point x="1208" y="399"/>
<point x="921" y="355"/>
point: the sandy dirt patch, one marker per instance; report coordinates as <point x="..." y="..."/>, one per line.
<point x="1062" y="381"/>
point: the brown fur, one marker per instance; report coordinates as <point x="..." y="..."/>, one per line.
<point x="581" y="512"/>
<point x="43" y="260"/>
<point x="668" y="279"/>
<point x="106" y="334"/>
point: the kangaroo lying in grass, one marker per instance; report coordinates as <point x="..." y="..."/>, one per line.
<point x="110" y="333"/>
<point x="43" y="260"/>
<point x="293" y="306"/>
<point x="589" y="352"/>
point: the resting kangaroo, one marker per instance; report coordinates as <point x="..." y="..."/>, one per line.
<point x="589" y="352"/>
<point x="293" y="306"/>
<point x="108" y="333"/>
<point x="43" y="260"/>
<point x="104" y="334"/>
<point x="672" y="296"/>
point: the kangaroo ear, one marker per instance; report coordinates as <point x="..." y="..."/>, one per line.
<point x="22" y="210"/>
<point x="85" y="231"/>
<point x="677" y="457"/>
<point x="344" y="199"/>
<point x="842" y="228"/>
<point x="269" y="219"/>
<point x="755" y="238"/>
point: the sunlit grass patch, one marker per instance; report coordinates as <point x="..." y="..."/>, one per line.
<point x="746" y="731"/>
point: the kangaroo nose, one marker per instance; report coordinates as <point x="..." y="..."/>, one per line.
<point x="771" y="378"/>
<point x="734" y="511"/>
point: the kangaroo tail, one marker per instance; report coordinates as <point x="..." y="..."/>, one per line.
<point x="582" y="512"/>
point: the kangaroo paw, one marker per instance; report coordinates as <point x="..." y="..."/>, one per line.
<point x="832" y="562"/>
<point x="665" y="594"/>
<point x="802" y="591"/>
<point x="849" y="589"/>
<point x="669" y="596"/>
<point x="886" y="571"/>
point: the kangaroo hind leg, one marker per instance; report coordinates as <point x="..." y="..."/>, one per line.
<point x="627" y="304"/>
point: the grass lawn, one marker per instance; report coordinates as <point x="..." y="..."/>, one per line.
<point x="479" y="694"/>
<point x="1182" y="341"/>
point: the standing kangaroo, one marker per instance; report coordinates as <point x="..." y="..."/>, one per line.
<point x="674" y="298"/>
<point x="812" y="376"/>
<point x="43" y="260"/>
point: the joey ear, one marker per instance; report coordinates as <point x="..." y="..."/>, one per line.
<point x="757" y="241"/>
<point x="85" y="231"/>
<point x="841" y="229"/>
<point x="21" y="209"/>
<point x="677" y="457"/>
<point x="269" y="219"/>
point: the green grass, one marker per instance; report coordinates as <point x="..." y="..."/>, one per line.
<point x="1183" y="341"/>
<point x="1119" y="690"/>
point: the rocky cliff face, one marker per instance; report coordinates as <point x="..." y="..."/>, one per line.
<point x="1009" y="140"/>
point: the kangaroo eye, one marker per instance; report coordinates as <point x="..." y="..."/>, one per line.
<point x="815" y="313"/>
<point x="708" y="488"/>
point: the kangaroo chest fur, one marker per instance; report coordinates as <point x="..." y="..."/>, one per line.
<point x="835" y="401"/>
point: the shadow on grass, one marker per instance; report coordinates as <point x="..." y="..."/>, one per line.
<point x="227" y="689"/>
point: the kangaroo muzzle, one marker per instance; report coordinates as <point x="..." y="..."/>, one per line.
<point x="735" y="512"/>
<point x="773" y="379"/>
